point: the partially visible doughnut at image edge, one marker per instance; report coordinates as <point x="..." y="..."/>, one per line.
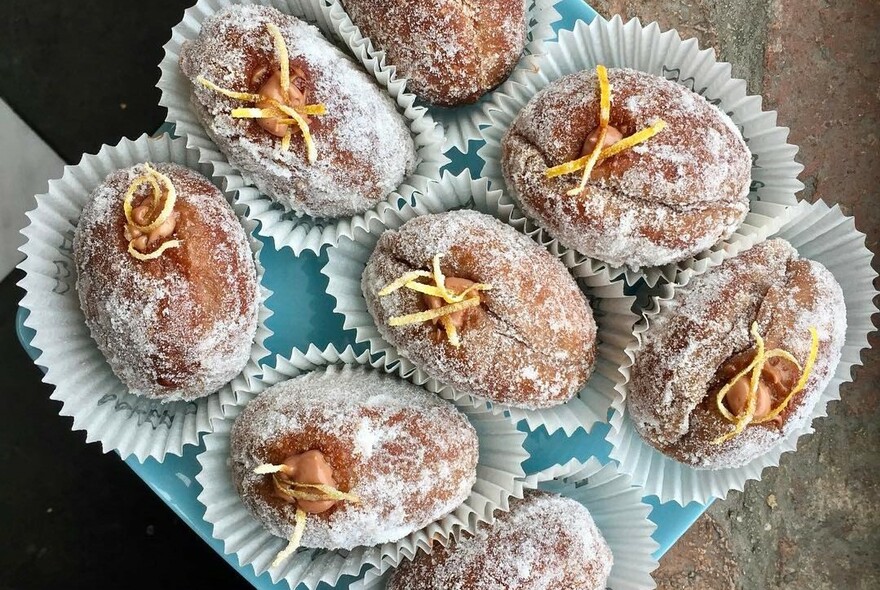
<point x="661" y="201"/>
<point x="739" y="359"/>
<point x="526" y="337"/>
<point x="545" y="541"/>
<point x="451" y="52"/>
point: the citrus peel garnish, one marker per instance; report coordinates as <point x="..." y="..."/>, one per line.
<point x="467" y="299"/>
<point x="432" y="314"/>
<point x="155" y="253"/>
<point x="755" y="367"/>
<point x="157" y="182"/>
<point x="282" y="55"/>
<point x="286" y="114"/>
<point x="295" y="538"/>
<point x="604" y="118"/>
<point x="295" y="490"/>
<point x="599" y="153"/>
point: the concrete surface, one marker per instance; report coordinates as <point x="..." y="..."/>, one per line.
<point x="811" y="523"/>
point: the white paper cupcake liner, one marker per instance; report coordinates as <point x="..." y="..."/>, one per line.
<point x="89" y="391"/>
<point x="287" y="228"/>
<point x="461" y="123"/>
<point x="611" y="307"/>
<point x="820" y="233"/>
<point x="499" y="476"/>
<point x="615" y="44"/>
<point x="617" y="509"/>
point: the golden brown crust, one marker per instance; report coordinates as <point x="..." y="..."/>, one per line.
<point x="532" y="341"/>
<point x="671" y="396"/>
<point x="181" y="325"/>
<point x="658" y="202"/>
<point x="451" y="51"/>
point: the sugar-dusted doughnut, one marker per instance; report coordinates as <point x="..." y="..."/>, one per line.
<point x="332" y="145"/>
<point x="545" y="541"/>
<point x="677" y="192"/>
<point x="739" y="359"/>
<point x="525" y="334"/>
<point x="172" y="307"/>
<point x="451" y="52"/>
<point x="394" y="458"/>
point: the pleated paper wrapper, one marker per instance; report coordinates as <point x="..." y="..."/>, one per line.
<point x="617" y="509"/>
<point x="461" y="123"/>
<point x="89" y="390"/>
<point x="289" y="228"/>
<point x="819" y="233"/>
<point x="612" y="308"/>
<point x="500" y="476"/>
<point x="648" y="49"/>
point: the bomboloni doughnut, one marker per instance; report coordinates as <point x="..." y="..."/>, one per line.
<point x="679" y="188"/>
<point x="170" y="296"/>
<point x="332" y="145"/>
<point x="545" y="542"/>
<point x="452" y="52"/>
<point x="739" y="359"/>
<point x="519" y="331"/>
<point x="394" y="456"/>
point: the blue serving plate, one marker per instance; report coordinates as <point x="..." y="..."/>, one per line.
<point x="303" y="315"/>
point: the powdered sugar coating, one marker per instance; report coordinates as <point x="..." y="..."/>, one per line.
<point x="706" y="323"/>
<point x="180" y="326"/>
<point x="545" y="541"/>
<point x="530" y="344"/>
<point x="408" y="455"/>
<point x="659" y="202"/>
<point x="364" y="147"/>
<point x="451" y="51"/>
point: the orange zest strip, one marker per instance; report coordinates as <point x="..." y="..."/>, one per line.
<point x="634" y="139"/>
<point x="244" y="96"/>
<point x="451" y="331"/>
<point x="612" y="150"/>
<point x="604" y="117"/>
<point x="424" y="316"/>
<point x="154" y="178"/>
<point x="802" y="382"/>
<point x="254" y="113"/>
<point x="756" y="367"/>
<point x="295" y="538"/>
<point x="402" y="281"/>
<point x="458" y="302"/>
<point x="283" y="57"/>
<point x="285" y="114"/>
<point x="322" y="492"/>
<point x="155" y="253"/>
<point x="311" y="151"/>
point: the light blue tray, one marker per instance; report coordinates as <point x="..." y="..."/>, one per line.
<point x="303" y="314"/>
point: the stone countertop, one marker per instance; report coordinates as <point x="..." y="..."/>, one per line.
<point x="83" y="74"/>
<point x="812" y="522"/>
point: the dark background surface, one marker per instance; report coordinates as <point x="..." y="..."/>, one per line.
<point x="82" y="74"/>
